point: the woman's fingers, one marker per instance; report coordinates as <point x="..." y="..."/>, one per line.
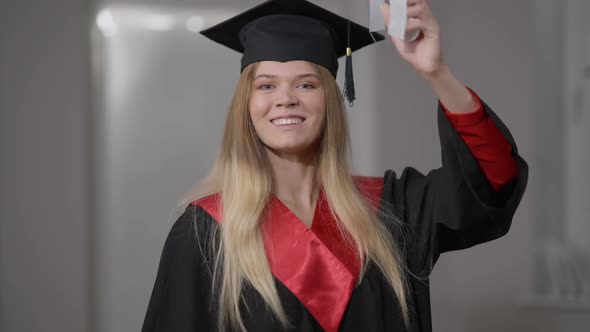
<point x="420" y="10"/>
<point x="385" y="12"/>
<point x="415" y="10"/>
<point x="420" y="17"/>
<point x="414" y="23"/>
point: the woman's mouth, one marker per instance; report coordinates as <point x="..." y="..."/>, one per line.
<point x="286" y="123"/>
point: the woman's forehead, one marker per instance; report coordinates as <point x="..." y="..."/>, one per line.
<point x="289" y="68"/>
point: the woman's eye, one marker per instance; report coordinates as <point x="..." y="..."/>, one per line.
<point x="302" y="85"/>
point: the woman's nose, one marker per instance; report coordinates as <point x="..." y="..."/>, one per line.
<point x="287" y="97"/>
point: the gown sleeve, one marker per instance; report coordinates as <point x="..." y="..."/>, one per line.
<point x="180" y="297"/>
<point x="455" y="206"/>
<point x="487" y="144"/>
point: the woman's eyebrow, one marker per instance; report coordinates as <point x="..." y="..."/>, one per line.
<point x="296" y="77"/>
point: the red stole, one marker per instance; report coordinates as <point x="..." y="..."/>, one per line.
<point x="315" y="264"/>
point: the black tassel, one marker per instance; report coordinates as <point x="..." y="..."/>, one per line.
<point x="348" y="78"/>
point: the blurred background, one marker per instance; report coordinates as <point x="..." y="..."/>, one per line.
<point x="112" y="110"/>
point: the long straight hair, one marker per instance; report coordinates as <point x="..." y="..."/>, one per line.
<point x="242" y="174"/>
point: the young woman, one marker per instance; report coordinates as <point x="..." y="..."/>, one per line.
<point x="281" y="236"/>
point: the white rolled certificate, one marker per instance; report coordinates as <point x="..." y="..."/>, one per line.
<point x="398" y="18"/>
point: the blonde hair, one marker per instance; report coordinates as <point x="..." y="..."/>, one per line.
<point x="242" y="175"/>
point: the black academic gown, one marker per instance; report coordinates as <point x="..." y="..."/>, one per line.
<point x="452" y="207"/>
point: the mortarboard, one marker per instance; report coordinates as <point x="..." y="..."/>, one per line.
<point x="286" y="30"/>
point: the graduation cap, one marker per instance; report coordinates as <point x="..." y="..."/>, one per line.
<point x="286" y="30"/>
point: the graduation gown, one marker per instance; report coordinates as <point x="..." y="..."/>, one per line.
<point x="450" y="208"/>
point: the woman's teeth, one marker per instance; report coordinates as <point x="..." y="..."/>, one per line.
<point x="287" y="121"/>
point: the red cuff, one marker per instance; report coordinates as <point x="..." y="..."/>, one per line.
<point x="486" y="142"/>
<point x="460" y="120"/>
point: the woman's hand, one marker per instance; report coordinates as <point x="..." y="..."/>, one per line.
<point x="424" y="53"/>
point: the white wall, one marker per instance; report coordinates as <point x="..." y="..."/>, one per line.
<point x="44" y="177"/>
<point x="164" y="96"/>
<point x="577" y="121"/>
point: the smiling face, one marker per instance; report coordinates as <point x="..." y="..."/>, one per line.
<point x="287" y="106"/>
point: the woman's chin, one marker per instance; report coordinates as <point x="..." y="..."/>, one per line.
<point x="290" y="149"/>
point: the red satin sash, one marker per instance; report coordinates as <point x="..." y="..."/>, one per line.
<point x="316" y="265"/>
